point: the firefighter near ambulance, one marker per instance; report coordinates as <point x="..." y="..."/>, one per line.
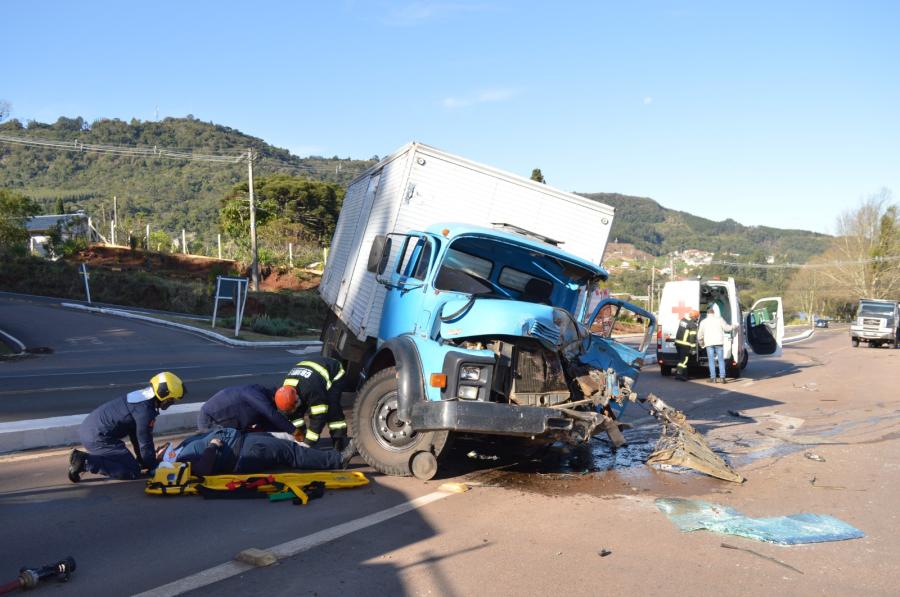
<point x="686" y="343"/>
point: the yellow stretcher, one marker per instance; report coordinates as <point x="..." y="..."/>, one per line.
<point x="179" y="481"/>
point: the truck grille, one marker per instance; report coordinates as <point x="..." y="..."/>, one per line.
<point x="538" y="378"/>
<point x="874" y="322"/>
<point x="544" y="332"/>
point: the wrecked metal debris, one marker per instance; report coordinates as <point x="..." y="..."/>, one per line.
<point x="681" y="445"/>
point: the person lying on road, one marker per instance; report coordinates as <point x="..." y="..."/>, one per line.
<point x="224" y="451"/>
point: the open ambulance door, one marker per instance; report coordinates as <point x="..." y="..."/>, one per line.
<point x="765" y="326"/>
<point x="733" y="349"/>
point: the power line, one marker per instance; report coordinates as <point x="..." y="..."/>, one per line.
<point x="886" y="259"/>
<point x="124" y="150"/>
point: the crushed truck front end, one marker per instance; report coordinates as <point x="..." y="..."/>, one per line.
<point x="491" y="332"/>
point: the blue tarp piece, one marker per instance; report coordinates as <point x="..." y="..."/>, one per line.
<point x="694" y="515"/>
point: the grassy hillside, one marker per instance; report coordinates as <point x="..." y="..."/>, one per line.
<point x="658" y="230"/>
<point x="168" y="194"/>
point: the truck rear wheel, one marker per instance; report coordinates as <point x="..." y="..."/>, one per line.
<point x="855" y="342"/>
<point x="665" y="370"/>
<point x="384" y="442"/>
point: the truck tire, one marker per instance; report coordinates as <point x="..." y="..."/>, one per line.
<point x="384" y="442"/>
<point x="855" y="342"/>
<point x="744" y="360"/>
<point x="665" y="370"/>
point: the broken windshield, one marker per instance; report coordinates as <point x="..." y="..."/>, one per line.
<point x="501" y="269"/>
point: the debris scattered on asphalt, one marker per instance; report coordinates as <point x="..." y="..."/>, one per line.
<point x="838" y="487"/>
<point x="604" y="552"/>
<point x="763" y="556"/>
<point x="476" y="456"/>
<point x="810" y="386"/>
<point x="794" y="529"/>
<point x="814" y="456"/>
<point x="256" y="557"/>
<point x="454" y="487"/>
<point x="739" y="414"/>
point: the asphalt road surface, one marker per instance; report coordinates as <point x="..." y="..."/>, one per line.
<point x="526" y="528"/>
<point x="91" y="358"/>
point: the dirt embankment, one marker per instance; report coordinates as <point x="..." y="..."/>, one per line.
<point x="196" y="267"/>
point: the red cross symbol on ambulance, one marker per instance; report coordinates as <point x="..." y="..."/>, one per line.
<point x="681" y="310"/>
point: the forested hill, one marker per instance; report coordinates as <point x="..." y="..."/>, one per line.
<point x="170" y="194"/>
<point x="657" y="230"/>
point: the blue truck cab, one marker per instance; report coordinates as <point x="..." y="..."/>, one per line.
<point x="488" y="331"/>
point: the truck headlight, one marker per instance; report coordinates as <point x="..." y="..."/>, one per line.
<point x="467" y="392"/>
<point x="470" y="373"/>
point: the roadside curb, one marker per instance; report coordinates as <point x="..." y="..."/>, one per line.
<point x="13" y="343"/>
<point x="192" y="329"/>
<point x="54" y="432"/>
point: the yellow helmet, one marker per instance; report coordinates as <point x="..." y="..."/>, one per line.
<point x="167" y="386"/>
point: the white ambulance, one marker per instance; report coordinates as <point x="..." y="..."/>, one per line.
<point x="761" y="329"/>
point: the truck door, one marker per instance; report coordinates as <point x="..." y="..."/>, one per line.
<point x="405" y="283"/>
<point x="620" y="335"/>
<point x="765" y="326"/>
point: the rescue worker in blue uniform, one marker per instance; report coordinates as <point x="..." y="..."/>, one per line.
<point x="224" y="451"/>
<point x="686" y="342"/>
<point x="249" y="407"/>
<point x="132" y="415"/>
<point x="318" y="383"/>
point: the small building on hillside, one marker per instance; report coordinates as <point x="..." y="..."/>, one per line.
<point x="71" y="226"/>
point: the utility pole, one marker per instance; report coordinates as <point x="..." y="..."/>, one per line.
<point x="115" y="219"/>
<point x="183" y="242"/>
<point x="254" y="264"/>
<point x="148" y="237"/>
<point x="652" y="281"/>
<point x="219" y="241"/>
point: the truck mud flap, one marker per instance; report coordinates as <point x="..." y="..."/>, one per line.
<point x="681" y="445"/>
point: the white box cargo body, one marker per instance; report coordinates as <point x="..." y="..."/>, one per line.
<point x="419" y="186"/>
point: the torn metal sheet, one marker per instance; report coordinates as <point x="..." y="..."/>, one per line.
<point x="794" y="529"/>
<point x="681" y="445"/>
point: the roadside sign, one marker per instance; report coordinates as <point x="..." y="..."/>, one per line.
<point x="234" y="290"/>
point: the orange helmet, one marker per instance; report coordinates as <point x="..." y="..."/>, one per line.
<point x="286" y="399"/>
<point x="695" y="313"/>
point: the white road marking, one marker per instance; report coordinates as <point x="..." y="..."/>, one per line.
<point x="95" y="372"/>
<point x="14" y="340"/>
<point x="291" y="548"/>
<point x="702" y="400"/>
<point x="748" y="384"/>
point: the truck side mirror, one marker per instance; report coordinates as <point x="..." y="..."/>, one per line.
<point x="379" y="254"/>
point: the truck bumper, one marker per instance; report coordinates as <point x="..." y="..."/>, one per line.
<point x="872" y="334"/>
<point x="487" y="418"/>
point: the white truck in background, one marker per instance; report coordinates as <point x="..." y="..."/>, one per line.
<point x="877" y="322"/>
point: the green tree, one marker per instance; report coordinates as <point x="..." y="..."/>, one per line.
<point x="60" y="206"/>
<point x="312" y="204"/>
<point x="537" y="176"/>
<point x="15" y="209"/>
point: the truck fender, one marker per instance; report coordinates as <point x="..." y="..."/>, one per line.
<point x="402" y="353"/>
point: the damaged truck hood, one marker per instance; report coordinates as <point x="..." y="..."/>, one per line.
<point x="552" y="327"/>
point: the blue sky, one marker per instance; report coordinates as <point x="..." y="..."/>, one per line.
<point x="776" y="113"/>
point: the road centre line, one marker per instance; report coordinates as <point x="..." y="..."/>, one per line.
<point x="291" y="548"/>
<point x="101" y="372"/>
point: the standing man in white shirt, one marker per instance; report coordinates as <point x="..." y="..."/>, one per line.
<point x="711" y="335"/>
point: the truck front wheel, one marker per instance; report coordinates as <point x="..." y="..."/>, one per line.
<point x="855" y="342"/>
<point x="384" y="442"/>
